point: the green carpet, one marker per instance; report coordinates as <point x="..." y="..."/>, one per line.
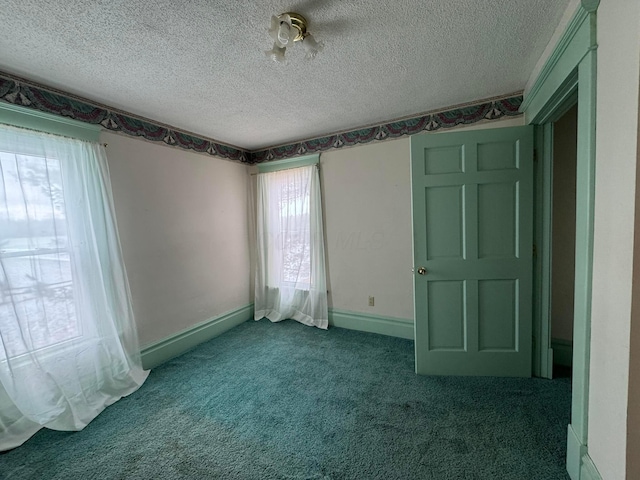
<point x="286" y="401"/>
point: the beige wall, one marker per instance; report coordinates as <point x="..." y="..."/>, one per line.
<point x="182" y="223"/>
<point x="616" y="148"/>
<point x="564" y="225"/>
<point x="367" y="207"/>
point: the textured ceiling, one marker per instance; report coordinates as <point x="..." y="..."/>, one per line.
<point x="200" y="65"/>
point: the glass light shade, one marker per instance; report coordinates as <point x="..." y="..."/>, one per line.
<point x="281" y="30"/>
<point x="276" y="53"/>
<point x="275" y="25"/>
<point x="285" y="35"/>
<point x="311" y="46"/>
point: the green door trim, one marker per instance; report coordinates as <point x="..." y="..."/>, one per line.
<point x="557" y="74"/>
<point x="543" y="216"/>
<point x="571" y="66"/>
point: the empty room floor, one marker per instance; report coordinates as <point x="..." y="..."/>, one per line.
<point x="287" y="401"/>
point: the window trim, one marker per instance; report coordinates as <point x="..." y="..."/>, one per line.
<point x="288" y="163"/>
<point x="24" y="117"/>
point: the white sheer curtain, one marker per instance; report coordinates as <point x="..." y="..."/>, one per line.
<point x="290" y="274"/>
<point x="68" y="342"/>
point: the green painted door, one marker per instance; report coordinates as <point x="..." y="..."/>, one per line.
<point x="472" y="233"/>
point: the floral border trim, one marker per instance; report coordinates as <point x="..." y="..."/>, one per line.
<point x="489" y="110"/>
<point x="19" y="92"/>
<point x="28" y="94"/>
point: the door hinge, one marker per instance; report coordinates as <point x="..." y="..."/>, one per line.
<point x="534" y="251"/>
<point x="535" y="156"/>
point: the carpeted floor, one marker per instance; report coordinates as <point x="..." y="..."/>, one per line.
<point x="286" y="401"/>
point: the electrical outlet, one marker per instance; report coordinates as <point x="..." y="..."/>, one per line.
<point x="371" y="301"/>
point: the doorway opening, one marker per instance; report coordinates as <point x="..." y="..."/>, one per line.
<point x="565" y="131"/>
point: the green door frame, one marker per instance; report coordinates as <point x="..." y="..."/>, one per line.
<point x="569" y="74"/>
<point x="543" y="219"/>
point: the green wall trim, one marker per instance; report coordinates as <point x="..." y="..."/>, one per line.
<point x="589" y="470"/>
<point x="287" y="163"/>
<point x="560" y="69"/>
<point x="585" y="204"/>
<point x="562" y="352"/>
<point x="576" y="450"/>
<point x="46" y="122"/>
<point x="181" y="342"/>
<point x="365" y="322"/>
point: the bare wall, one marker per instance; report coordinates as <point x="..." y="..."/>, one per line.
<point x="615" y="192"/>
<point x="367" y="209"/>
<point x="182" y="223"/>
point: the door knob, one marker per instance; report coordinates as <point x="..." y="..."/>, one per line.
<point x="422" y="270"/>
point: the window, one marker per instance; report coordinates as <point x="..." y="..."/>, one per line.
<point x="295" y="241"/>
<point x="290" y="272"/>
<point x="68" y="341"/>
<point x="35" y="278"/>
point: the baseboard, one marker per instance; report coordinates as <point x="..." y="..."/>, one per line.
<point x="562" y="352"/>
<point x="589" y="470"/>
<point x="364" y="322"/>
<point x="579" y="463"/>
<point x="576" y="450"/>
<point x="181" y="342"/>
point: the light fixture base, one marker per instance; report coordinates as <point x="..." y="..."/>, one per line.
<point x="299" y="23"/>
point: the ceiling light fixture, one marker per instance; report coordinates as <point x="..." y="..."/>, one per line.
<point x="286" y="29"/>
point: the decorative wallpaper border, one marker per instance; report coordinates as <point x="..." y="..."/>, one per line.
<point x="31" y="95"/>
<point x="489" y="110"/>
<point x="19" y="92"/>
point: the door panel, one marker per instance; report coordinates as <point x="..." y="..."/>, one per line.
<point x="443" y="160"/>
<point x="473" y="220"/>
<point x="497" y="220"/>
<point x="497" y="315"/>
<point x="445" y="228"/>
<point x="447" y="330"/>
<point x="497" y="156"/>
